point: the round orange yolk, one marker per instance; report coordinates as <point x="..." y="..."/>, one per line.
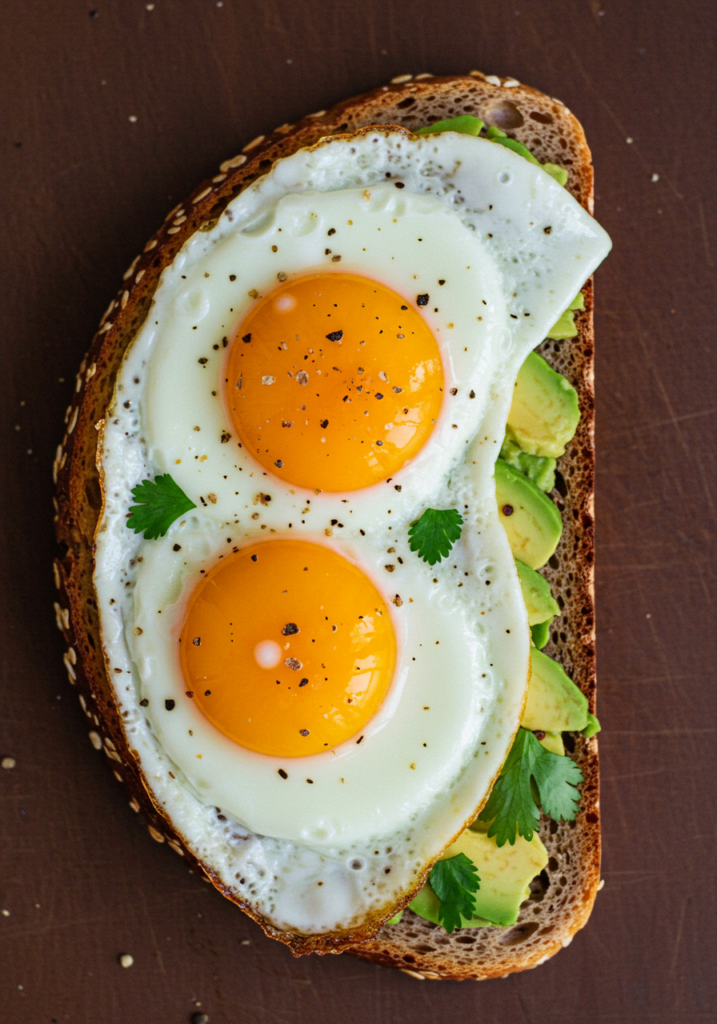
<point x="334" y="382"/>
<point x="288" y="648"/>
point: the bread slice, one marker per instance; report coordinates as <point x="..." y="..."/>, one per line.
<point x="562" y="897"/>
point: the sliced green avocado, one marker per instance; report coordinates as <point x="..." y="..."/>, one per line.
<point x="593" y="727"/>
<point x="505" y="873"/>
<point x="396" y="918"/>
<point x="465" y="124"/>
<point x="540" y="603"/>
<point x="538" y="468"/>
<point x="540" y="633"/>
<point x="554" y="170"/>
<point x="554" y="704"/>
<point x="531" y="520"/>
<point x="564" y="326"/>
<point x="544" y="412"/>
<point x="552" y="741"/>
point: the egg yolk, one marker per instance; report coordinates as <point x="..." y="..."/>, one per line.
<point x="287" y="648"/>
<point x="334" y="381"/>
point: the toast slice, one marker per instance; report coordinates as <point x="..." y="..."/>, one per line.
<point x="562" y="897"/>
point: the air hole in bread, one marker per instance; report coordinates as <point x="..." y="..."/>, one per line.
<point x="504" y="114"/>
<point x="519" y="933"/>
<point x="408" y="102"/>
<point x="541" y="118"/>
<point x="93" y="492"/>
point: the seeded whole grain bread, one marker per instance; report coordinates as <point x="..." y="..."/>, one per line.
<point x="561" y="898"/>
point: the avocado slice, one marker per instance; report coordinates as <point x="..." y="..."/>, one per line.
<point x="465" y="124"/>
<point x="544" y="412"/>
<point x="540" y="633"/>
<point x="554" y="704"/>
<point x="539" y="602"/>
<point x="554" y="170"/>
<point x="552" y="741"/>
<point x="593" y="727"/>
<point x="538" y="468"/>
<point x="564" y="326"/>
<point x="531" y="520"/>
<point x="505" y="873"/>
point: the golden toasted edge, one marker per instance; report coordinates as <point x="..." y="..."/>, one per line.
<point x="408" y="102"/>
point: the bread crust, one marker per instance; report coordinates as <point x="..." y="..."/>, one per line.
<point x="562" y="902"/>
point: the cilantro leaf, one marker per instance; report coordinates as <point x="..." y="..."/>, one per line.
<point x="454" y="881"/>
<point x="434" y="534"/>
<point x="161" y="501"/>
<point x="512" y="807"/>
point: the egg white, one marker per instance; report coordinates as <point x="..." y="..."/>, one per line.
<point x="309" y="858"/>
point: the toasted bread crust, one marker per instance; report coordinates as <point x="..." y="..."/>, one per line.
<point x="551" y="917"/>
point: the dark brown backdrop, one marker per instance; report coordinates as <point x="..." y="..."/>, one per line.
<point x="109" y="118"/>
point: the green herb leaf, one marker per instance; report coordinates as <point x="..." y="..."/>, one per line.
<point x="434" y="534"/>
<point x="454" y="881"/>
<point x="160" y="502"/>
<point x="466" y="124"/>
<point x="512" y="807"/>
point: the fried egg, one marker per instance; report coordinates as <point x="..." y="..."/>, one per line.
<point x="318" y="711"/>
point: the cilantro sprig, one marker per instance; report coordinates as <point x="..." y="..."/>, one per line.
<point x="160" y="502"/>
<point x="454" y="881"/>
<point x="434" y="534"/>
<point x="512" y="806"/>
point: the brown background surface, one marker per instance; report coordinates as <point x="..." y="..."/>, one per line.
<point x="108" y="120"/>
